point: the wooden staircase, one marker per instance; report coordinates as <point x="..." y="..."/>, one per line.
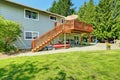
<point x="45" y="39"/>
<point x="70" y="26"/>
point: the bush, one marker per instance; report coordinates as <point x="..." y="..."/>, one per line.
<point x="9" y="30"/>
<point x="108" y="46"/>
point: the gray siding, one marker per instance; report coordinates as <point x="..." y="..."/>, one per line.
<point x="16" y="13"/>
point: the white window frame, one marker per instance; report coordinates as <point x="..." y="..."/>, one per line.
<point x="52" y="19"/>
<point x="31" y="11"/>
<point x="32" y="34"/>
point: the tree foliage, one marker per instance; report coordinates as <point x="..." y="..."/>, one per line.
<point x="107" y="25"/>
<point x="86" y="13"/>
<point x="9" y="31"/>
<point x="62" y="7"/>
<point x="105" y="17"/>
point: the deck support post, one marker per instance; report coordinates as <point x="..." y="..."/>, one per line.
<point x="64" y="40"/>
<point x="80" y="39"/>
<point x="33" y="44"/>
<point x="70" y="38"/>
<point x="58" y="38"/>
<point x="89" y="37"/>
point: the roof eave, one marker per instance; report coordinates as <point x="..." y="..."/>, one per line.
<point x="35" y="9"/>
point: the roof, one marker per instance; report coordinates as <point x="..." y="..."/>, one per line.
<point x="10" y="1"/>
<point x="71" y="17"/>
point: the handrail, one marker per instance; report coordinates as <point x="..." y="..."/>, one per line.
<point x="36" y="42"/>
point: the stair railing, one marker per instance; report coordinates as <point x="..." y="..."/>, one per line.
<point x="40" y="40"/>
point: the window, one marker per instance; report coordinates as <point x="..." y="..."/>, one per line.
<point x="31" y="14"/>
<point x="29" y="35"/>
<point x="62" y="20"/>
<point x="53" y="18"/>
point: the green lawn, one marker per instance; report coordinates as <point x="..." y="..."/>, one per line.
<point x="92" y="65"/>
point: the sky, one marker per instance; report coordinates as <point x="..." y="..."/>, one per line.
<point x="45" y="4"/>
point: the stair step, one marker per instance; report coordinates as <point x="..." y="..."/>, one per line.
<point x="32" y="50"/>
<point x="43" y="43"/>
<point x="48" y="39"/>
<point x="40" y="45"/>
<point x="53" y="36"/>
<point x="37" y="47"/>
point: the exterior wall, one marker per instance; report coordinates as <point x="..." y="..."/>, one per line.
<point x="16" y="13"/>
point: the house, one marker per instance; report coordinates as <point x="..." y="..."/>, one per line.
<point x="34" y="22"/>
<point x="40" y="28"/>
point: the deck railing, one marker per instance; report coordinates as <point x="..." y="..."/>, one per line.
<point x="77" y="25"/>
<point x="82" y="26"/>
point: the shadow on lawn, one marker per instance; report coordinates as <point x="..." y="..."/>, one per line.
<point x="28" y="71"/>
<point x="61" y="75"/>
<point x="24" y="71"/>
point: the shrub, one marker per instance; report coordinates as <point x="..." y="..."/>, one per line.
<point x="108" y="46"/>
<point x="9" y="30"/>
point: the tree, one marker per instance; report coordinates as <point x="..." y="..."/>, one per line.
<point x="117" y="16"/>
<point x="53" y="8"/>
<point x="106" y="19"/>
<point x="9" y="31"/>
<point x="62" y="7"/>
<point x="86" y="13"/>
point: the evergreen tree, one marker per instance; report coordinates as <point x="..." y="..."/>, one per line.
<point x="106" y="22"/>
<point x="62" y="7"/>
<point x="117" y="16"/>
<point x="53" y="8"/>
<point x="86" y="13"/>
<point x="105" y="17"/>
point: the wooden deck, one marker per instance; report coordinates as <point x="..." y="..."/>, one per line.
<point x="71" y="26"/>
<point x="75" y="26"/>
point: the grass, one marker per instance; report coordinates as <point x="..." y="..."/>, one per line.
<point x="91" y="65"/>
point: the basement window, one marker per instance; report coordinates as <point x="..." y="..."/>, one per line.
<point x="30" y="35"/>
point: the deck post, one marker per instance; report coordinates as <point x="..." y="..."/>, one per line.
<point x="58" y="38"/>
<point x="80" y="39"/>
<point x="64" y="40"/>
<point x="70" y="38"/>
<point x="33" y="45"/>
<point x="89" y="36"/>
